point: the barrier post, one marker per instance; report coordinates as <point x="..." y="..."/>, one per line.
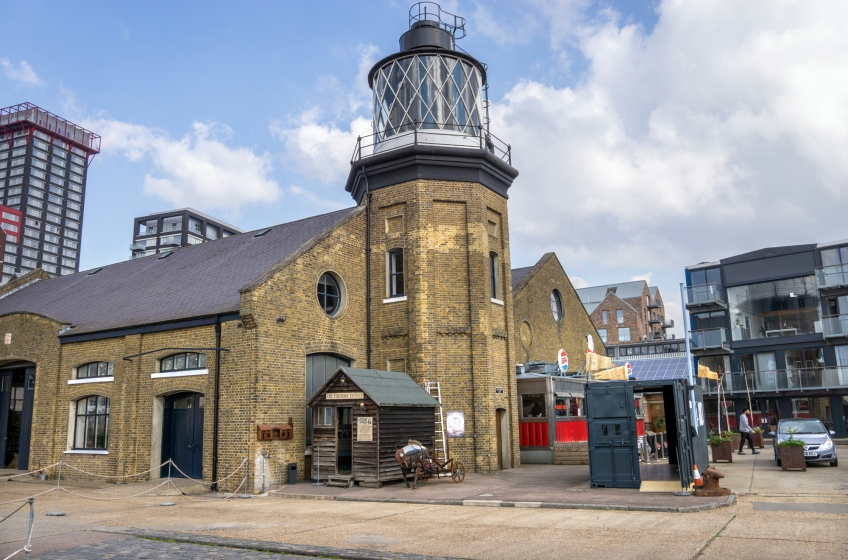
<point x="56" y="512"/>
<point x="168" y="501"/>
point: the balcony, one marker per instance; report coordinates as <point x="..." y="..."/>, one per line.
<point x="835" y="276"/>
<point x="705" y="297"/>
<point x="835" y="326"/>
<point x="777" y="381"/>
<point x="709" y="341"/>
<point x="668" y="324"/>
<point x="138" y="246"/>
<point x="655" y="319"/>
<point x="653" y="305"/>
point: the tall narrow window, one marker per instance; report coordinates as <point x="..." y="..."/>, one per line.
<point x="92" y="423"/>
<point x="605" y="315"/>
<point x="619" y="315"/>
<point x="396" y="284"/>
<point x="494" y="273"/>
<point x="556" y="306"/>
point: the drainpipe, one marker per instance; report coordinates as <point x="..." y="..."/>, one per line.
<point x="367" y="269"/>
<point x="215" y="406"/>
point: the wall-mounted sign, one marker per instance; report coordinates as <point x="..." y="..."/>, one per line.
<point x="562" y="360"/>
<point x="8" y="338"/>
<point x="590" y="343"/>
<point x="628" y="370"/>
<point x="344" y="396"/>
<point x="365" y="428"/>
<point x="499" y="391"/>
<point x="456" y="424"/>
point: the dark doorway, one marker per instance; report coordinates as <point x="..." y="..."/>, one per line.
<point x="611" y="416"/>
<point x="17" y="388"/>
<point x="344" y="441"/>
<point x="182" y="434"/>
<point x="499" y="421"/>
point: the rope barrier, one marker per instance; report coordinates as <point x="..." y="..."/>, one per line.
<point x="42" y="469"/>
<point x="213" y="499"/>
<point x="28" y="546"/>
<point x="237" y="469"/>
<point x="14" y="512"/>
<point x="114" y="475"/>
<point x="27" y="498"/>
<point x="113" y="499"/>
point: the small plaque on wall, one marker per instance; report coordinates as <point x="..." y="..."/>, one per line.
<point x="456" y="424"/>
<point x="365" y="428"/>
<point x="499" y="391"/>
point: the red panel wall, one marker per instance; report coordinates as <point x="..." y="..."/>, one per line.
<point x="533" y="434"/>
<point x="572" y="431"/>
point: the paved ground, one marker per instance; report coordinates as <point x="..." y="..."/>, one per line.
<point x="808" y="508"/>
<point x="131" y="548"/>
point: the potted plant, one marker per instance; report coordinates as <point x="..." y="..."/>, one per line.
<point x="757" y="437"/>
<point x="720" y="446"/>
<point x="791" y="453"/>
<point x="735" y="438"/>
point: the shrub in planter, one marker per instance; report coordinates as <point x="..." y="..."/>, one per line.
<point x="791" y="454"/>
<point x="721" y="449"/>
<point x="757" y="437"/>
<point x="659" y="425"/>
<point x="735" y="438"/>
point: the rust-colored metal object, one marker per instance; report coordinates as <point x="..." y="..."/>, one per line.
<point x="711" y="486"/>
<point x="416" y="459"/>
<point x="266" y="432"/>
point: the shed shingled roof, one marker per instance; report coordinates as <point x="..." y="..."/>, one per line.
<point x="385" y="388"/>
<point x="196" y="281"/>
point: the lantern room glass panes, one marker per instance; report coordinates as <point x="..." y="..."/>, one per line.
<point x="435" y="92"/>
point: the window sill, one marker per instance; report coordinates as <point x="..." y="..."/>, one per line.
<point x="104" y="379"/>
<point x="183" y="373"/>
<point x="497" y="301"/>
<point x="394" y="299"/>
<point x="86" y="452"/>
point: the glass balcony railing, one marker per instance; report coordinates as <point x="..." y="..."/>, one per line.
<point x="779" y="380"/>
<point x="833" y="276"/>
<point x="835" y="326"/>
<point x="709" y="339"/>
<point x="706" y="295"/>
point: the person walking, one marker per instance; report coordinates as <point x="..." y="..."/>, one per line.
<point x="745" y="432"/>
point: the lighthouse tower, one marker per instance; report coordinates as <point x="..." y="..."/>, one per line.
<point x="434" y="181"/>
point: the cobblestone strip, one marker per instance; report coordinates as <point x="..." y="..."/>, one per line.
<point x="281" y="548"/>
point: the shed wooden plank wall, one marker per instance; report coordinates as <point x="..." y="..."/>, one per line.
<point x="398" y="426"/>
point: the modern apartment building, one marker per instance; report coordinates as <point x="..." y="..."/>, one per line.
<point x="774" y="322"/>
<point x="165" y="231"/>
<point x="43" y="167"/>
<point x="626" y="313"/>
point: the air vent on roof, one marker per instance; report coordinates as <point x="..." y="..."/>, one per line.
<point x="95" y="271"/>
<point x="263" y="232"/>
<point x="165" y="255"/>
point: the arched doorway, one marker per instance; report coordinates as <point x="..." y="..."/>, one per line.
<point x="319" y="368"/>
<point x="182" y="434"/>
<point x="17" y="389"/>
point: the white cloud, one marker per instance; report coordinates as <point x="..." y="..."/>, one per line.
<point x="21" y="72"/>
<point x="578" y="282"/>
<point x="321" y="148"/>
<point x="719" y="132"/>
<point x="646" y="277"/>
<point x="197" y="170"/>
<point x="313" y="199"/>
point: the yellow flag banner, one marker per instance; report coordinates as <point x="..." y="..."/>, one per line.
<point x="706" y="373"/>
<point x="614" y="374"/>
<point x="595" y="362"/>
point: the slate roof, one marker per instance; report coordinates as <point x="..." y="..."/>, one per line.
<point x="386" y="388"/>
<point x="518" y="275"/>
<point x="197" y="281"/>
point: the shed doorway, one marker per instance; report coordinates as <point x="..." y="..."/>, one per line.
<point x="344" y="440"/>
<point x="182" y="434"/>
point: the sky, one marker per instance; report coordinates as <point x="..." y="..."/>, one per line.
<point x="648" y="135"/>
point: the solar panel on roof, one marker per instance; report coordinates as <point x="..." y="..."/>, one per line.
<point x="263" y="232"/>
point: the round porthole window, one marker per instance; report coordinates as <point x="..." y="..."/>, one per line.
<point x="329" y="293"/>
<point x="556" y="306"/>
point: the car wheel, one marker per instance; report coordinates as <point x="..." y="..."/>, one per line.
<point x="834" y="463"/>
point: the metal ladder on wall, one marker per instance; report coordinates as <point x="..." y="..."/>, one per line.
<point x="432" y="387"/>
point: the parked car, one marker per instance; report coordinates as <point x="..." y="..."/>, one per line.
<point x="818" y="448"/>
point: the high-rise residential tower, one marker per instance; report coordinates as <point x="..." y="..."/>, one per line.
<point x="43" y="167"/>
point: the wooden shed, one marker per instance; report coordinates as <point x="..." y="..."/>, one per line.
<point x="361" y="417"/>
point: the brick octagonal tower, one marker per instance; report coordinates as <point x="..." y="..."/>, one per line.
<point x="434" y="181"/>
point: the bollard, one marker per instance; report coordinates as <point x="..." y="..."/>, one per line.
<point x="168" y="501"/>
<point x="56" y="512"/>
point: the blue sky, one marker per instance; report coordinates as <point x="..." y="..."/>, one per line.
<point x="649" y="135"/>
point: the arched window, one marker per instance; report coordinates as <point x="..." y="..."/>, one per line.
<point x="494" y="274"/>
<point x="183" y="361"/>
<point x="94" y="369"/>
<point x="556" y="306"/>
<point x="329" y="293"/>
<point x="91" y="429"/>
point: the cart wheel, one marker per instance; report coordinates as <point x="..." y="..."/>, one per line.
<point x="458" y="472"/>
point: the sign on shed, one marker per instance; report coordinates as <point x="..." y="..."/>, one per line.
<point x="365" y="428"/>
